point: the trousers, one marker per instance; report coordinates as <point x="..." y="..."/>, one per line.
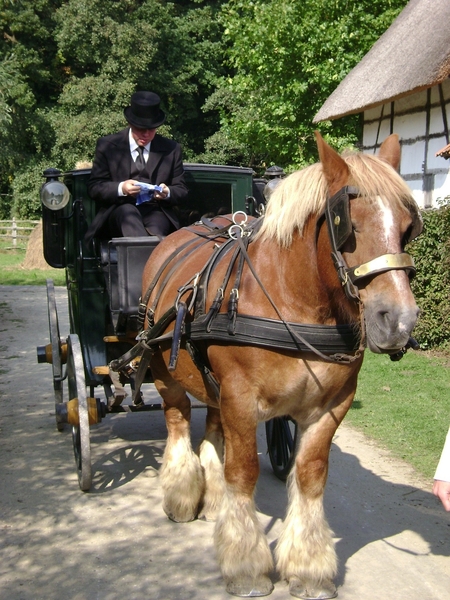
<point x="128" y="220"/>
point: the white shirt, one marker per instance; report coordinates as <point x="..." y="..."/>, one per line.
<point x="443" y="468"/>
<point x="134" y="154"/>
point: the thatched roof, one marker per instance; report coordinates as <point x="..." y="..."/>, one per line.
<point x="412" y="55"/>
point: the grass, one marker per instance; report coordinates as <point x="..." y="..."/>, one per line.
<point x="405" y="405"/>
<point x="11" y="272"/>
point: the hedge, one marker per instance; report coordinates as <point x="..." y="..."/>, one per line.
<point x="431" y="286"/>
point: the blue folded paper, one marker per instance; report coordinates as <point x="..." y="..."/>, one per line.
<point x="147" y="191"/>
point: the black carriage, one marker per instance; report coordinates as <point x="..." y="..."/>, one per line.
<point x="104" y="284"/>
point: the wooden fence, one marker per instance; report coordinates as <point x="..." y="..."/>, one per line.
<point x="16" y="229"/>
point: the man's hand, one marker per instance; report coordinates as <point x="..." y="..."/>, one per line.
<point x="441" y="489"/>
<point x="130" y="187"/>
<point x="163" y="194"/>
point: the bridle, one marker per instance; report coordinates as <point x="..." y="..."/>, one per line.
<point x="337" y="215"/>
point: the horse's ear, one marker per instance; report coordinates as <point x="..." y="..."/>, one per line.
<point x="390" y="151"/>
<point x="334" y="167"/>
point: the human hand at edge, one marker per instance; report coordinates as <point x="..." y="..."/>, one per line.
<point x="441" y="489"/>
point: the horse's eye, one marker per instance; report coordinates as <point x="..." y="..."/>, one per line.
<point x="408" y="236"/>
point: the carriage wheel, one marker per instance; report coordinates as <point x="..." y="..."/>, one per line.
<point x="55" y="342"/>
<point x="80" y="433"/>
<point x="282" y="439"/>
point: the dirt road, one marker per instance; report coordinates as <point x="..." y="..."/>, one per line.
<point x="115" y="543"/>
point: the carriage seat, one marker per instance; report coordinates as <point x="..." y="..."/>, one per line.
<point x="123" y="261"/>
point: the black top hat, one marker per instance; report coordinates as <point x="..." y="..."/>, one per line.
<point x="144" y="111"/>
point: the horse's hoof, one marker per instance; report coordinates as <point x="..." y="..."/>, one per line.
<point x="186" y="518"/>
<point x="247" y="587"/>
<point x="312" y="590"/>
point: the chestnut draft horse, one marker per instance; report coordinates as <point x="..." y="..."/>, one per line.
<point x="307" y="287"/>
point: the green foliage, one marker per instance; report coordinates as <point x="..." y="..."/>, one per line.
<point x="112" y="49"/>
<point x="26" y="186"/>
<point x="285" y="58"/>
<point x="68" y="69"/>
<point x="431" y="252"/>
<point x="240" y="81"/>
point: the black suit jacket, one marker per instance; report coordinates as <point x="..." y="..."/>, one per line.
<point x="113" y="164"/>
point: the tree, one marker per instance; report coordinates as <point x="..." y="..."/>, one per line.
<point x="240" y="81"/>
<point x="286" y="57"/>
<point x="107" y="50"/>
<point x="29" y="80"/>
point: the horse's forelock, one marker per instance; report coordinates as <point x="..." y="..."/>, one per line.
<point x="374" y="177"/>
<point x="304" y="193"/>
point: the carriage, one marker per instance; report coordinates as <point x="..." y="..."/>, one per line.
<point x="104" y="285"/>
<point x="262" y="318"/>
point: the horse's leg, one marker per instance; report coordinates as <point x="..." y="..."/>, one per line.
<point x="243" y="552"/>
<point x="305" y="552"/>
<point x="181" y="473"/>
<point x="211" y="459"/>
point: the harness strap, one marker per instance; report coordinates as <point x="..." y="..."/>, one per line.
<point x="273" y="334"/>
<point x="198" y="361"/>
<point x="144" y="300"/>
<point x="296" y="336"/>
<point x="213" y="232"/>
<point x="234" y="294"/>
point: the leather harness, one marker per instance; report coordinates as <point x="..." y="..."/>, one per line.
<point x="332" y="343"/>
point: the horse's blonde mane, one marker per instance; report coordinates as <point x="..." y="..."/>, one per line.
<point x="304" y="193"/>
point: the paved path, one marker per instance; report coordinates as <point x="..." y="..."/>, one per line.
<point x="115" y="543"/>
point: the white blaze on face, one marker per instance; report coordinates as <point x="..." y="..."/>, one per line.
<point x="387" y="220"/>
<point x="387" y="230"/>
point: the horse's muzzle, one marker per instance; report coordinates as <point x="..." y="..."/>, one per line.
<point x="388" y="328"/>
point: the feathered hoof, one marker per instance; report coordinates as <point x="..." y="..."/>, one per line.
<point x="247" y="587"/>
<point x="312" y="590"/>
<point x="180" y="516"/>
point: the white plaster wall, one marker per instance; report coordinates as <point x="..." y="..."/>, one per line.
<point x="371" y="130"/>
<point x="441" y="187"/>
<point x="445" y="90"/>
<point x="412" y="158"/>
<point x="433" y="161"/>
<point x="419" y="196"/>
<point x="411" y="128"/>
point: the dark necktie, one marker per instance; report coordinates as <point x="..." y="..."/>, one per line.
<point x="140" y="162"/>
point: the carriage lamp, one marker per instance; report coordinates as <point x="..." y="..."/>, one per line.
<point x="54" y="194"/>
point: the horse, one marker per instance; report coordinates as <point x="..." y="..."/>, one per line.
<point x="311" y="284"/>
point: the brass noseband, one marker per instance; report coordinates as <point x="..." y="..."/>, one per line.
<point x="386" y="262"/>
